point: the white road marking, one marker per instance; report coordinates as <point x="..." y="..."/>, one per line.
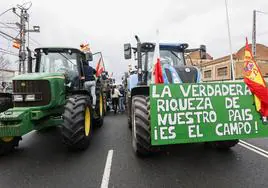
<point x="255" y="147"/>
<point x="254" y="150"/>
<point x="107" y="170"/>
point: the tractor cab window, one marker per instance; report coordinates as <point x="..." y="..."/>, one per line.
<point x="170" y="57"/>
<point x="58" y="62"/>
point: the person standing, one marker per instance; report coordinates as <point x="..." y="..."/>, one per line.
<point x="90" y="82"/>
<point x="121" y="99"/>
<point x="4" y="87"/>
<point x="115" y="98"/>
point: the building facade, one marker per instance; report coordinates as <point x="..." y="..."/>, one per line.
<point x="220" y="69"/>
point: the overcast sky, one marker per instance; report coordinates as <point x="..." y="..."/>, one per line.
<point x="108" y="24"/>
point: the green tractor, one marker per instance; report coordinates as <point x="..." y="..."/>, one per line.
<point x="53" y="95"/>
<point x="174" y="70"/>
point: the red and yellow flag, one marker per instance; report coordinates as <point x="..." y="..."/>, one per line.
<point x="84" y="48"/>
<point x="254" y="80"/>
<point x="100" y="67"/>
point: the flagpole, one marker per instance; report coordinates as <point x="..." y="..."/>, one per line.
<point x="230" y="41"/>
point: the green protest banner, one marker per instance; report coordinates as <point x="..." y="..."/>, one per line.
<point x="188" y="113"/>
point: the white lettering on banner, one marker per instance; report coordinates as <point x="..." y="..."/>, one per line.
<point x="160" y="105"/>
<point x="194" y="131"/>
<point x="187" y="92"/>
<point x="166" y="91"/>
<point x="240" y="115"/>
<point x="192" y="107"/>
<point x="155" y="134"/>
<point x="162" y="133"/>
<point x="185" y="104"/>
<point x="236" y="128"/>
<point x="202" y="90"/>
<point x="172" y="133"/>
<point x="162" y="120"/>
<point x="154" y="94"/>
<point x="218" y="90"/>
<point x="182" y="118"/>
<point x="167" y="133"/>
<point x="199" y="90"/>
<point x="191" y="131"/>
<point x="231" y="102"/>
<point x="239" y="90"/>
<point x="194" y="88"/>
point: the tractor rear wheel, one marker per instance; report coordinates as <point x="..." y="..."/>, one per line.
<point x="7" y="144"/>
<point x="129" y="119"/>
<point x="77" y="123"/>
<point x="223" y="145"/>
<point x="141" y="130"/>
<point x="99" y="111"/>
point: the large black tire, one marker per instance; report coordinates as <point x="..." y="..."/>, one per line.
<point x="77" y="123"/>
<point x="8" y="144"/>
<point x="99" y="111"/>
<point x="141" y="129"/>
<point x="128" y="109"/>
<point x="223" y="145"/>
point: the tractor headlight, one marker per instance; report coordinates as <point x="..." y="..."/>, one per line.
<point x="17" y="98"/>
<point x="30" y="98"/>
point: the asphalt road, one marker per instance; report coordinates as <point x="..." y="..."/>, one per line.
<point x="42" y="161"/>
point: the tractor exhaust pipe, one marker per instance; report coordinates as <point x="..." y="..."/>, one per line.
<point x="139" y="58"/>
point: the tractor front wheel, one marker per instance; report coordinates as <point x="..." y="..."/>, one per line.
<point x="141" y="130"/>
<point x="7" y="144"/>
<point x="223" y="145"/>
<point x="77" y="123"/>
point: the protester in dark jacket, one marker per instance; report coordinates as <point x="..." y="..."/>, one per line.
<point x="121" y="99"/>
<point x="90" y="83"/>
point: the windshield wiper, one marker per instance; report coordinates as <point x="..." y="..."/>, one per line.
<point x="175" y="55"/>
<point x="66" y="58"/>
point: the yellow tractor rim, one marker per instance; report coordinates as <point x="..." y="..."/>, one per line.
<point x="87" y="121"/>
<point x="101" y="105"/>
<point x="7" y="138"/>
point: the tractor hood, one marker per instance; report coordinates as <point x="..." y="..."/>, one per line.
<point x="39" y="76"/>
<point x="47" y="89"/>
<point x="180" y="74"/>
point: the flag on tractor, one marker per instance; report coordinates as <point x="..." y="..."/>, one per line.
<point x="85" y="47"/>
<point x="16" y="44"/>
<point x="157" y="69"/>
<point x="255" y="82"/>
<point x="99" y="67"/>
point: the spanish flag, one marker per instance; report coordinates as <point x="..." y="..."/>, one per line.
<point x="255" y="82"/>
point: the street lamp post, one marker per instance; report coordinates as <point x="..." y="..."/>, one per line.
<point x="230" y="41"/>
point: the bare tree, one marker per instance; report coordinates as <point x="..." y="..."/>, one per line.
<point x="4" y="63"/>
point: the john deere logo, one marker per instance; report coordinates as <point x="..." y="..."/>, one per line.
<point x="187" y="70"/>
<point x="23" y="84"/>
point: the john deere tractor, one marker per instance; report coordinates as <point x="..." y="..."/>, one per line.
<point x="53" y="95"/>
<point x="174" y="70"/>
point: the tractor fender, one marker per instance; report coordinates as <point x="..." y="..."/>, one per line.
<point x="140" y="90"/>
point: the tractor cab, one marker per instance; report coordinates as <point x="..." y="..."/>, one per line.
<point x="68" y="61"/>
<point x="173" y="63"/>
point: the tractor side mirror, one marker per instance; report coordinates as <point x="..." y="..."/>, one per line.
<point x="89" y="56"/>
<point x="127" y="51"/>
<point x="203" y="52"/>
